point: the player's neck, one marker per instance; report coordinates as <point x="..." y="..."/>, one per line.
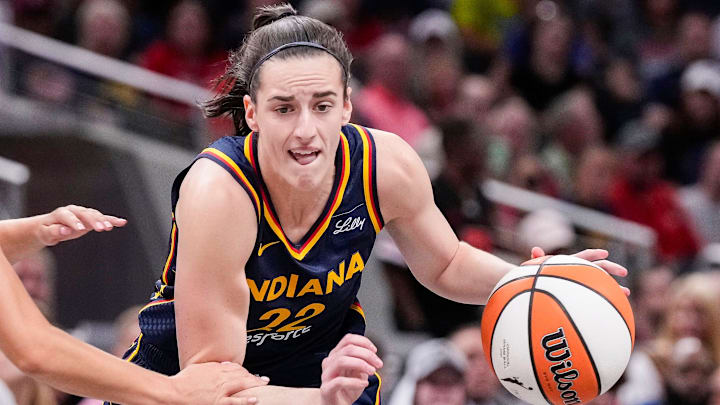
<point x="298" y="207"/>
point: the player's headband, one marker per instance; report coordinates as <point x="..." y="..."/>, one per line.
<point x="291" y="45"/>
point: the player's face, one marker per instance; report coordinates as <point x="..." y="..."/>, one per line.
<point x="298" y="112"/>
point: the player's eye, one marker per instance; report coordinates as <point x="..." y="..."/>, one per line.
<point x="325" y="107"/>
<point x="283" y="109"/>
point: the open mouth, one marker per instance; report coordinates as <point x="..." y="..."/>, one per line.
<point x="304" y="157"/>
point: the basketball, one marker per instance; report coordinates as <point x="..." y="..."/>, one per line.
<point x="558" y="330"/>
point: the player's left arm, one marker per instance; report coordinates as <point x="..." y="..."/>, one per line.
<point x="21" y="237"/>
<point x="448" y="267"/>
<point x="436" y="257"/>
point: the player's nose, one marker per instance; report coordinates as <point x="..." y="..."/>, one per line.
<point x="305" y="128"/>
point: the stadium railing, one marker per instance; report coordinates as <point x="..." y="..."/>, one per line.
<point x="13" y="180"/>
<point x="629" y="243"/>
<point x="102" y="88"/>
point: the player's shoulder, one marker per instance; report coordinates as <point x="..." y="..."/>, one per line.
<point x="210" y="190"/>
<point x="208" y="182"/>
<point x="394" y="155"/>
<point x="401" y="175"/>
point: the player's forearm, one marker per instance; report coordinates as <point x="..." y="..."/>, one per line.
<point x="19" y="238"/>
<point x="83" y="370"/>
<point x="277" y="395"/>
<point x="54" y="357"/>
<point x="470" y="276"/>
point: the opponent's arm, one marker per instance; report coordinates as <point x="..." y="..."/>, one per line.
<point x="217" y="227"/>
<point x="56" y="358"/>
<point x="24" y="236"/>
<point x="448" y="267"/>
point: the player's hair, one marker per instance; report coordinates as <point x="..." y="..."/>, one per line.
<point x="273" y="27"/>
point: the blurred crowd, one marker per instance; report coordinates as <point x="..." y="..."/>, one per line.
<point x="613" y="105"/>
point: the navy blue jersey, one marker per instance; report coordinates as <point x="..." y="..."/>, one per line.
<point x="303" y="294"/>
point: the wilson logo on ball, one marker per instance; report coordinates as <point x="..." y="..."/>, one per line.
<point x="557" y="350"/>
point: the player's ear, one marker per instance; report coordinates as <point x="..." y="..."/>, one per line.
<point x="347" y="107"/>
<point x="250" y="113"/>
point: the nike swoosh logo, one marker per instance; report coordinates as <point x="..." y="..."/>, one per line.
<point x="263" y="247"/>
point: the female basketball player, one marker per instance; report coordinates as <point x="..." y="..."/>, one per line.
<point x="272" y="229"/>
<point x="56" y="358"/>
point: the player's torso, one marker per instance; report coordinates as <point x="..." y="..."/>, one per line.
<point x="302" y="293"/>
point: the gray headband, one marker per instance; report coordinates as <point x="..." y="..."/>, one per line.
<point x="291" y="45"/>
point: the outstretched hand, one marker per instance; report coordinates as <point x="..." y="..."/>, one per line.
<point x="597" y="256"/>
<point x="72" y="222"/>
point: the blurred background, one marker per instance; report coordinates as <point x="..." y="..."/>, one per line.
<point x="560" y="124"/>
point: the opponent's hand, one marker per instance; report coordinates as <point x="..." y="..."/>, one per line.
<point x="597" y="256"/>
<point x="72" y="222"/>
<point x="215" y="383"/>
<point x="345" y="371"/>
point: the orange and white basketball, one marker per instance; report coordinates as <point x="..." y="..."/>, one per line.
<point x="558" y="330"/>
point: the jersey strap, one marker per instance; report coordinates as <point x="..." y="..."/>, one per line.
<point x="369" y="178"/>
<point x="231" y="167"/>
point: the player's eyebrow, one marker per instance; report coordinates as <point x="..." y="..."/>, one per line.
<point x="324" y="94"/>
<point x="286" y="99"/>
<point x="282" y="98"/>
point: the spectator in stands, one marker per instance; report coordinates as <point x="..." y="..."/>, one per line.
<point x="481" y="384"/>
<point x="609" y="28"/>
<point x="639" y="194"/>
<point x="513" y="132"/>
<point x="458" y="189"/>
<point x="40" y="16"/>
<point x="482" y="23"/>
<point x="658" y="25"/>
<point x="475" y="98"/>
<point x="571" y="124"/>
<point x="384" y="102"/>
<point x="547" y="72"/>
<point x="103" y="26"/>
<point x="37" y="273"/>
<point x="187" y="52"/>
<point x="437" y="62"/>
<point x="696" y="124"/>
<point x="690" y="43"/>
<point x="434" y="374"/>
<point x="530" y="173"/>
<point x="649" y="301"/>
<point x="595" y="171"/>
<point x="458" y="195"/>
<point x="619" y="96"/>
<point x="688" y="378"/>
<point x="692" y="312"/>
<point x="702" y="199"/>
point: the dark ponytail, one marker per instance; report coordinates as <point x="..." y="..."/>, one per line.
<point x="269" y="14"/>
<point x="273" y="27"/>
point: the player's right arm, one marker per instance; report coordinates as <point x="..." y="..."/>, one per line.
<point x="217" y="228"/>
